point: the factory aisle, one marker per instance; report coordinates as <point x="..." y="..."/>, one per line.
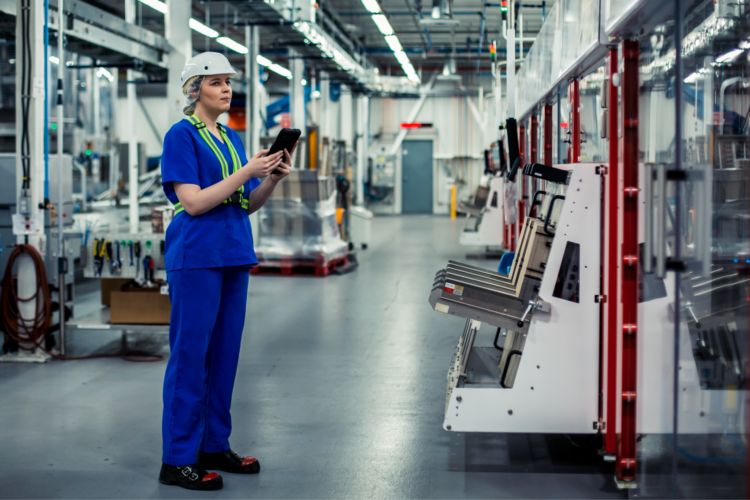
<point x="340" y="394"/>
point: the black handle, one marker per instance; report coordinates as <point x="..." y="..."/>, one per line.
<point x="512" y="173"/>
<point x="534" y="201"/>
<point x="497" y="336"/>
<point x="549" y="213"/>
<point x="505" y="368"/>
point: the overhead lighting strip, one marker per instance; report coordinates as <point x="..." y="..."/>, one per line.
<point x="385" y="28"/>
<point x="227" y="42"/>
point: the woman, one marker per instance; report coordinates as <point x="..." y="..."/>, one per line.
<point x="209" y="251"/>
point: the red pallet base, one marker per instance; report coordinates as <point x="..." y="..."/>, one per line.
<point x="292" y="267"/>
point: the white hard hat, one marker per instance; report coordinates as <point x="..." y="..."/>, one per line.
<point x="207" y="63"/>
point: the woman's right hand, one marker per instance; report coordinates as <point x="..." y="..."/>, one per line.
<point x="262" y="166"/>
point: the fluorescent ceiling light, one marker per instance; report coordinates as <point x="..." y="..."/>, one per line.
<point x="402" y="58"/>
<point x="202" y="29"/>
<point x="393" y="43"/>
<point x="382" y="23"/>
<point x="263" y="61"/>
<point x="101" y="72"/>
<point x="303" y="82"/>
<point x="372" y="6"/>
<point x="156" y="5"/>
<point x="281" y="70"/>
<point x="54" y="60"/>
<point x="729" y="56"/>
<point x="691" y="78"/>
<point x="231" y="44"/>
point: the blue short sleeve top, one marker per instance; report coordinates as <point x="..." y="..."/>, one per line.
<point x="221" y="237"/>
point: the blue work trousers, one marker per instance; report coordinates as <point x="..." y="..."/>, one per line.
<point x="208" y="315"/>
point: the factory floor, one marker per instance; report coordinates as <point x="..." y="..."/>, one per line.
<point x="340" y="394"/>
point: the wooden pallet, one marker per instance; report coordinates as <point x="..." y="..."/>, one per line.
<point x="293" y="267"/>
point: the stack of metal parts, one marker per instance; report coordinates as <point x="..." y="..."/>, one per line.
<point x="299" y="221"/>
<point x="499" y="300"/>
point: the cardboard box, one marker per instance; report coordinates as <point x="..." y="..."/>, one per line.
<point x="140" y="307"/>
<point x="109" y="285"/>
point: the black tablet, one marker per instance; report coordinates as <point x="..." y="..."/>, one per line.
<point x="286" y="139"/>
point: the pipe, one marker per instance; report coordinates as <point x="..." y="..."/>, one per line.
<point x="133" y="208"/>
<point x="60" y="175"/>
<point x="724" y="86"/>
<point x="82" y="170"/>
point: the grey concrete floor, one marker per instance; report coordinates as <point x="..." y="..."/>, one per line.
<point x="340" y="394"/>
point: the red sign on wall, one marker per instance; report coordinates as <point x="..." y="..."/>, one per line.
<point x="286" y="120"/>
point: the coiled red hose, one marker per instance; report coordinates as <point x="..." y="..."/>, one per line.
<point x="26" y="330"/>
<point x="33" y="331"/>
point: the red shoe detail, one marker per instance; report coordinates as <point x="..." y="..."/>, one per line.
<point x="248" y="461"/>
<point x="210" y="476"/>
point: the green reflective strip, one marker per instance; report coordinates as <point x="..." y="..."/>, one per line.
<point x="178" y="208"/>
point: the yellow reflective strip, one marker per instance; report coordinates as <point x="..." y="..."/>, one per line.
<point x="209" y="140"/>
<point x="234" y="155"/>
<point x="211" y="144"/>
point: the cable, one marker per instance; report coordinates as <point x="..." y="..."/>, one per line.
<point x="35" y="331"/>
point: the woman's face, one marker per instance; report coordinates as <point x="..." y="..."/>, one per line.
<point x="216" y="94"/>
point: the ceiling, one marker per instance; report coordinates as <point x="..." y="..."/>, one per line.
<point x="428" y="48"/>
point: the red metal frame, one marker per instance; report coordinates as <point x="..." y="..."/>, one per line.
<point x="547" y="135"/>
<point x="534" y="139"/>
<point x="628" y="149"/>
<point x="574" y="98"/>
<point x="610" y="266"/>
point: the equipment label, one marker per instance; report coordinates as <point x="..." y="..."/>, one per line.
<point x="454" y="289"/>
<point x="441" y="308"/>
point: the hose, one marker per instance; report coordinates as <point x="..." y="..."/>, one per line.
<point x="25" y="331"/>
<point x="34" y="331"/>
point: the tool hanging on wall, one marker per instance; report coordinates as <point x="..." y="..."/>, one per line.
<point x="130" y="246"/>
<point x="108" y="253"/>
<point x="98" y="256"/>
<point x="137" y="250"/>
<point x="117" y="266"/>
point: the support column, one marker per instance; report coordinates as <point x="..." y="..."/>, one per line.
<point x="297" y="92"/>
<point x="534" y="158"/>
<point x="30" y="163"/>
<point x="133" y="209"/>
<point x="363" y="126"/>
<point x="574" y="98"/>
<point x="179" y="36"/>
<point x="610" y="265"/>
<point x="510" y="72"/>
<point x="252" y="104"/>
<point x="547" y="136"/>
<point x="628" y="147"/>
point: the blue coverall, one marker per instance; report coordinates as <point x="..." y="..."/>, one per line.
<point x="208" y="258"/>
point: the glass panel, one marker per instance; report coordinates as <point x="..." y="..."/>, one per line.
<point x="615" y="9"/>
<point x="712" y="423"/>
<point x="593" y="146"/>
<point x="569" y="31"/>
<point x="704" y="316"/>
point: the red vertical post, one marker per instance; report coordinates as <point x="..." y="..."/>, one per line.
<point x="574" y="98"/>
<point x="628" y="150"/>
<point x="519" y="179"/>
<point x="547" y="135"/>
<point x="534" y="139"/>
<point x="611" y="263"/>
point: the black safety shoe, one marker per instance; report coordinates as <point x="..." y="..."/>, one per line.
<point x="190" y="477"/>
<point x="228" y="461"/>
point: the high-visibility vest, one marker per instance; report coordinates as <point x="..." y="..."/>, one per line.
<point x="237" y="197"/>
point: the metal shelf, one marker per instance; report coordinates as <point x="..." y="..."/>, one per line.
<point x="100" y="320"/>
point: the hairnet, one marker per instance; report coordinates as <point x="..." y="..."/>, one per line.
<point x="192" y="91"/>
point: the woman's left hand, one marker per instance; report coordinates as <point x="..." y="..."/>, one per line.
<point x="285" y="166"/>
